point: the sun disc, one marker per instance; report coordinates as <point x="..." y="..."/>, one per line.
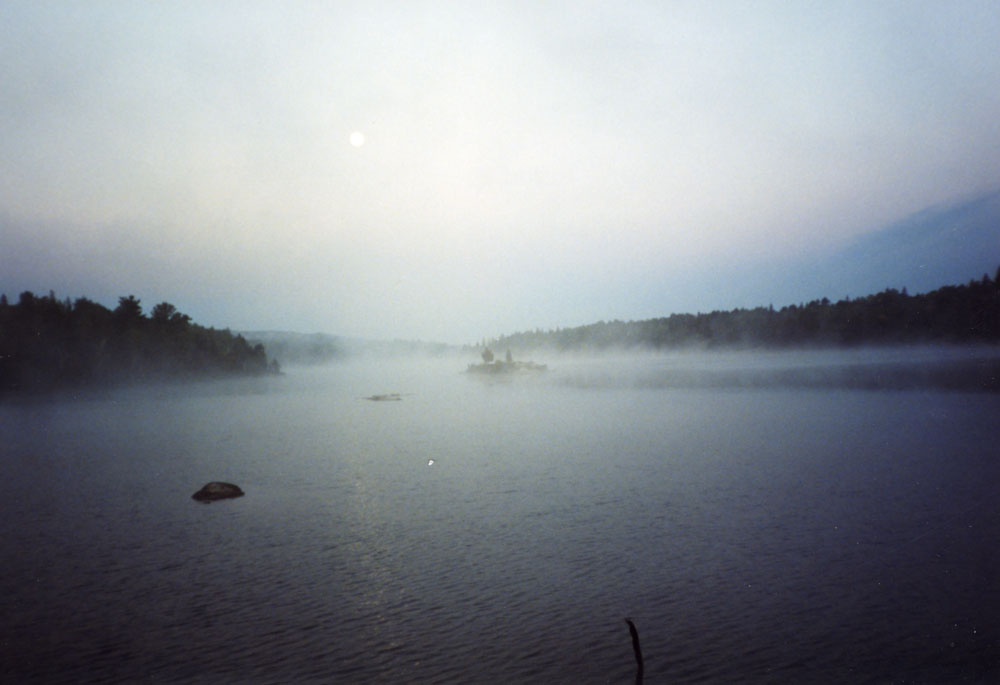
<point x="357" y="139"/>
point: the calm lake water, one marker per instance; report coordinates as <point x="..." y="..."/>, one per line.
<point x="760" y="517"/>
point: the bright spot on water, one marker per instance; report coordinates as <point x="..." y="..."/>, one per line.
<point x="430" y="462"/>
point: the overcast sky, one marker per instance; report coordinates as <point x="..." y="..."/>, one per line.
<point x="519" y="164"/>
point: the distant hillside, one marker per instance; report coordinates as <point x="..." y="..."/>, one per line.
<point x="946" y="244"/>
<point x="397" y="348"/>
<point x="298" y="348"/>
<point x="952" y="314"/>
<point x="320" y="348"/>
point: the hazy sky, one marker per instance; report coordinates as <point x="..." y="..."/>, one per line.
<point x="524" y="164"/>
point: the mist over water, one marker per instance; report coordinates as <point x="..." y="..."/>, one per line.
<point x="762" y="517"/>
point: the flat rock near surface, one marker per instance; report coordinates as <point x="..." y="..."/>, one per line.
<point x="217" y="490"/>
<point x="391" y="397"/>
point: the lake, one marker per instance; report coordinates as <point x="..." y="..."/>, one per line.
<point x="761" y="517"/>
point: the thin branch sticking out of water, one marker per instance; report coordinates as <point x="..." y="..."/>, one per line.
<point x="635" y="648"/>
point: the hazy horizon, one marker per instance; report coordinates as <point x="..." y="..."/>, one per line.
<point x="443" y="172"/>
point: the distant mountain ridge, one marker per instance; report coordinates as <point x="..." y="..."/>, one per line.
<point x="938" y="245"/>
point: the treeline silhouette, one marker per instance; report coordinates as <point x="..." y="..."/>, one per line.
<point x="951" y="314"/>
<point x="47" y="344"/>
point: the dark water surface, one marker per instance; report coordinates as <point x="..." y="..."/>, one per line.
<point x="754" y="531"/>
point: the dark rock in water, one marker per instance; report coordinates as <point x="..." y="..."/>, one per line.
<point x="217" y="490"/>
<point x="391" y="397"/>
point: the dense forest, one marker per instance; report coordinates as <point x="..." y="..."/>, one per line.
<point x="48" y="344"/>
<point x="952" y="314"/>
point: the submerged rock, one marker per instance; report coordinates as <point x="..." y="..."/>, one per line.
<point x="217" y="490"/>
<point x="391" y="397"/>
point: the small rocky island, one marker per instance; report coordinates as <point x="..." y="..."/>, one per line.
<point x="495" y="366"/>
<point x="217" y="490"/>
